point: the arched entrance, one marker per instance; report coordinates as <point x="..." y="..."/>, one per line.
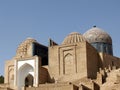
<point x="25" y="76"/>
<point x="29" y="80"/>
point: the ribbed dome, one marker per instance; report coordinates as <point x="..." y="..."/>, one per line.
<point x="26" y="42"/>
<point x="97" y="35"/>
<point x="23" y="47"/>
<point x="73" y="37"/>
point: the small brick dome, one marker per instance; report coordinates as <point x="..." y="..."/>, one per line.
<point x="73" y="37"/>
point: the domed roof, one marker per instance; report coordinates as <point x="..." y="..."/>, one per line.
<point x="26" y="42"/>
<point x="97" y="35"/>
<point x="73" y="37"/>
<point x="23" y="47"/>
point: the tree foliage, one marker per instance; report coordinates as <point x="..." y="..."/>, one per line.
<point x="1" y="79"/>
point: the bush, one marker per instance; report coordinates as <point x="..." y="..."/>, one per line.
<point x="1" y="79"/>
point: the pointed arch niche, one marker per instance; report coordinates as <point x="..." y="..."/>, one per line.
<point x="68" y="64"/>
<point x="67" y="60"/>
<point x="11" y="76"/>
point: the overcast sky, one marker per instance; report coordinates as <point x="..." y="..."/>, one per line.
<point x="43" y="19"/>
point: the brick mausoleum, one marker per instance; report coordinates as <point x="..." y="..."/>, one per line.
<point x="80" y="62"/>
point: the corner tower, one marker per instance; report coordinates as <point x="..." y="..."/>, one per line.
<point x="99" y="39"/>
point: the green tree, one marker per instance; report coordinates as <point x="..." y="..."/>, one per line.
<point x="1" y="79"/>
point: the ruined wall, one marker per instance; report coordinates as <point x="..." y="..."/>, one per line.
<point x="5" y="89"/>
<point x="54" y="87"/>
<point x="109" y="61"/>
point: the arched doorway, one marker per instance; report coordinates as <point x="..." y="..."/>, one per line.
<point x="25" y="76"/>
<point x="29" y="80"/>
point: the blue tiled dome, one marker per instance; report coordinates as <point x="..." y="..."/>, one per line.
<point x="99" y="39"/>
<point x="97" y="35"/>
